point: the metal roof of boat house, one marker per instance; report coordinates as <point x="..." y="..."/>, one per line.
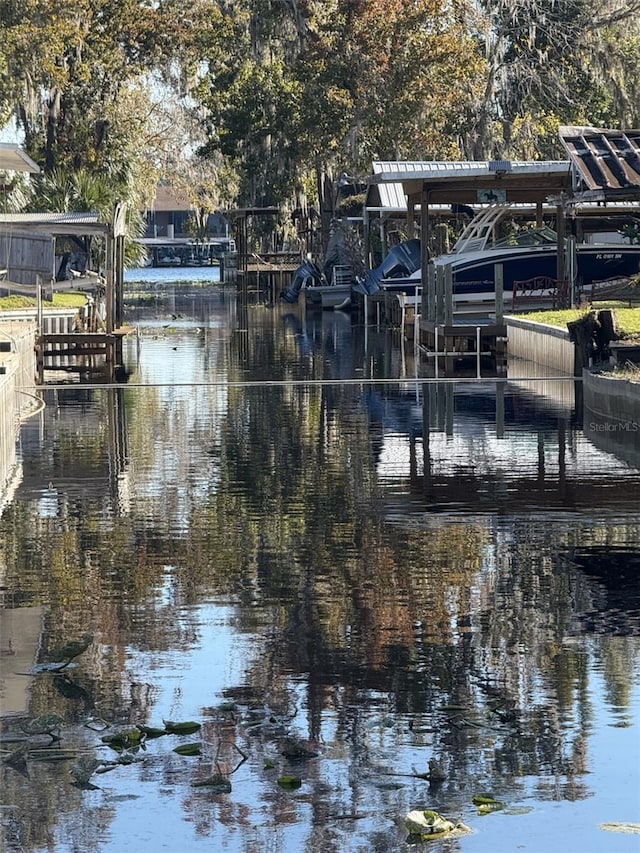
<point x="470" y="182"/>
<point x="606" y="162"/>
<point x="14" y="159"/>
<point x="386" y="197"/>
<point x="55" y="223"/>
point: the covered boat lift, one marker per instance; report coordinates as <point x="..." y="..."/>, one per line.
<point x="38" y="275"/>
<point x="603" y="168"/>
<point x="600" y="178"/>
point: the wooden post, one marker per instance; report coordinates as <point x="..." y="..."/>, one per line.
<point x="425" y="264"/>
<point x="498" y="274"/>
<point x="441" y="239"/>
<point x="561" y="271"/>
<point x="119" y="229"/>
<point x="427" y="277"/>
<point x="448" y="295"/>
<point x="109" y="287"/>
<point x="439" y="303"/>
<point x="366" y="226"/>
<point x="430" y="312"/>
<point x="571" y="261"/>
<point x="119" y="282"/>
<point x="411" y="222"/>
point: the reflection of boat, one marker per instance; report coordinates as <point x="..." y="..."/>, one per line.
<point x="529" y="258"/>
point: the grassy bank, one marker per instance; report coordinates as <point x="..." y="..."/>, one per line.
<point x="628" y="319"/>
<point x="60" y="300"/>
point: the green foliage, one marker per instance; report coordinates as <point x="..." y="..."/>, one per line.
<point x="290" y="783"/>
<point x="628" y="319"/>
<point x="351" y="206"/>
<point x="189" y="748"/>
<point x="279" y="97"/>
<point x="181" y="728"/>
<point x="60" y="300"/>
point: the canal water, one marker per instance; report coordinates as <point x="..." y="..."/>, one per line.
<point x="371" y="593"/>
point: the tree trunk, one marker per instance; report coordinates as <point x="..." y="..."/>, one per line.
<point x="53" y="116"/>
<point x="327" y="203"/>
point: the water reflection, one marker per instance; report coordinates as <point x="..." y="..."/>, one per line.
<point x="382" y="574"/>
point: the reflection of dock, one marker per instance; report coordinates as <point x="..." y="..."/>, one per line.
<point x="84" y="468"/>
<point x="480" y="449"/>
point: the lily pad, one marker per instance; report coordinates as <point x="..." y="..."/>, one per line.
<point x="487" y="804"/>
<point x="124" y="739"/>
<point x="488" y="808"/>
<point x="189" y="749"/>
<point x="151" y="732"/>
<point x="217" y="783"/>
<point x="428" y="822"/>
<point x="186" y="728"/>
<point x="290" y="783"/>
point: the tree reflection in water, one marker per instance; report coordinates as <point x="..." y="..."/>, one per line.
<point x="297" y="561"/>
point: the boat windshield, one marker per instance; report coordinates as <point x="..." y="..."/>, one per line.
<point x="528" y="237"/>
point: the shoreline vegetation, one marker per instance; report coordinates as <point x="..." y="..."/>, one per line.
<point x="60" y="300"/>
<point x="628" y="319"/>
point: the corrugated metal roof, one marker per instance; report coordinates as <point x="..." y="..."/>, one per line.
<point x="393" y="170"/>
<point x="55" y="218"/>
<point x="606" y="162"/>
<point x="55" y="223"/>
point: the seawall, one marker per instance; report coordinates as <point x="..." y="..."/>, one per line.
<point x="546" y="345"/>
<point x="17" y="379"/>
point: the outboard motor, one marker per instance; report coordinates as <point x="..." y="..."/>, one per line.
<point x="401" y="261"/>
<point x="308" y="274"/>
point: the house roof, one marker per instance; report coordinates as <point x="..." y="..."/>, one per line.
<point x="168" y="199"/>
<point x="14" y="159"/>
<point x="606" y="162"/>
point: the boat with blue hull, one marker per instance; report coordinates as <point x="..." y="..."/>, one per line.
<point x="529" y="259"/>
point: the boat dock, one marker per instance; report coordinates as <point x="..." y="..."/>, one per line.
<point x="186" y="252"/>
<point x="263" y="276"/>
<point x="86" y="341"/>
